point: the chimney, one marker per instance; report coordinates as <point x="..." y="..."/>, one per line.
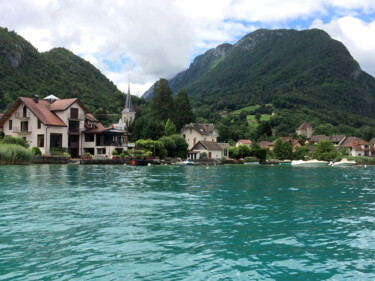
<point x="36" y="98"/>
<point x="206" y="127"/>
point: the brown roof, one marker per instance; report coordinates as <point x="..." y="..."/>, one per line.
<point x="43" y="109"/>
<point x="245" y="141"/>
<point x="348" y="141"/>
<point x="209" y="145"/>
<point x="304" y="126"/>
<point x="91" y="117"/>
<point x="62" y="105"/>
<point x="1" y="115"/>
<point x="317" y="138"/>
<point x="201" y="128"/>
<point x="264" y="144"/>
<point x="337" y="138"/>
<point x="371" y="142"/>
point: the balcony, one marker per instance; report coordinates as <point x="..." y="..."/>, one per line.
<point x="75" y="130"/>
<point x="22" y="130"/>
<point x="78" y="117"/>
<point x="22" y="115"/>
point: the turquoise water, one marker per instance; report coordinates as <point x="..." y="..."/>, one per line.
<point x="187" y="223"/>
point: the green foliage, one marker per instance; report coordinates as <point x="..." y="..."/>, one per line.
<point x="203" y="155"/>
<point x="162" y="104"/>
<point x="282" y="150"/>
<point x="251" y="159"/>
<point x="36" y="151"/>
<point x="59" y="152"/>
<point x="175" y="145"/>
<point x="11" y="154"/>
<point x="88" y="155"/>
<point x="155" y="146"/>
<point x="15" y="140"/>
<point x="169" y="128"/>
<point x="301" y="152"/>
<point x="184" y="112"/>
<point x="325" y="150"/>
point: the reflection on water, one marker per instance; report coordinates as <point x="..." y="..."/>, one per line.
<point x="186" y="223"/>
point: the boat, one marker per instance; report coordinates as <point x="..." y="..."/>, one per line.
<point x="344" y="163"/>
<point x="309" y="163"/>
<point x="251" y="163"/>
<point x="185" y="163"/>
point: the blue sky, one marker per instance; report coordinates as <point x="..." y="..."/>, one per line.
<point x="152" y="39"/>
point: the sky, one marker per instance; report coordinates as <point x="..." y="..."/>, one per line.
<point x="142" y="41"/>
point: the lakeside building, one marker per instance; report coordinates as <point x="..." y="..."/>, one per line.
<point x="243" y="142"/>
<point x="194" y="132"/>
<point x="305" y="130"/>
<point x="61" y="123"/>
<point x="127" y="114"/>
<point x="212" y="149"/>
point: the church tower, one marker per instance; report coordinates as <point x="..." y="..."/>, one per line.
<point x="128" y="114"/>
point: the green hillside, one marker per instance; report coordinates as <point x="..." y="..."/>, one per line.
<point x="26" y="72"/>
<point x="306" y="75"/>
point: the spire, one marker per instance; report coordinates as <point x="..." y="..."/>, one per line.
<point x="128" y="103"/>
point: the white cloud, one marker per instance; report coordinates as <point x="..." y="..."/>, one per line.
<point x="153" y="39"/>
<point x="357" y="35"/>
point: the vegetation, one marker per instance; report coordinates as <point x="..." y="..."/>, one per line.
<point x="244" y="151"/>
<point x="325" y="150"/>
<point x="283" y="149"/>
<point x="11" y="154"/>
<point x="15" y="140"/>
<point x="36" y="151"/>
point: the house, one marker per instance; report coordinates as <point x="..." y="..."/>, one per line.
<point x="270" y="145"/>
<point x="211" y="148"/>
<point x="264" y="144"/>
<point x="243" y="142"/>
<point x="317" y="138"/>
<point x="358" y="147"/>
<point x="194" y="132"/>
<point x="225" y="148"/>
<point x="305" y="130"/>
<point x="337" y="140"/>
<point x="61" y="123"/>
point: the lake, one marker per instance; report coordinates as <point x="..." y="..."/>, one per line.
<point x="75" y="222"/>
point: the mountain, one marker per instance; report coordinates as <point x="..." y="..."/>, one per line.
<point x="294" y="70"/>
<point x="26" y="72"/>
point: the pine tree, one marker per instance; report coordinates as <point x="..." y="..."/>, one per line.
<point x="184" y="113"/>
<point x="162" y="104"/>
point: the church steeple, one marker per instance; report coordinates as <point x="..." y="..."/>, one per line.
<point x="128" y="113"/>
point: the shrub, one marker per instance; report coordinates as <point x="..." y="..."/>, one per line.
<point x="55" y="151"/>
<point x="36" y="151"/>
<point x="114" y="152"/>
<point x="15" y="140"/>
<point x="251" y="159"/>
<point x="15" y="154"/>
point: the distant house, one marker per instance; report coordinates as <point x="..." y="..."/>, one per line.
<point x="61" y="123"/>
<point x="337" y="140"/>
<point x="243" y="142"/>
<point x="358" y="147"/>
<point x="225" y="148"/>
<point x="305" y="130"/>
<point x="212" y="149"/>
<point x="317" y="138"/>
<point x="264" y="144"/>
<point x="194" y="132"/>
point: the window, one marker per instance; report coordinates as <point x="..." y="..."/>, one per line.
<point x="191" y="131"/>
<point x="24" y="126"/>
<point x="39" y="124"/>
<point x="24" y="111"/>
<point x="40" y="141"/>
<point x="89" y="137"/>
<point x="74" y="113"/>
<point x="101" y="151"/>
<point x="10" y="124"/>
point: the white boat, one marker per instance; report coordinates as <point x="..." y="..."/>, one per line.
<point x="183" y="163"/>
<point x="309" y="163"/>
<point x="344" y="163"/>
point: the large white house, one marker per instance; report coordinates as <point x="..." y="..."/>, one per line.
<point x="194" y="132"/>
<point x="61" y="123"/>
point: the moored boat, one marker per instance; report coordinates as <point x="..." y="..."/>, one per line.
<point x="309" y="163"/>
<point x="344" y="163"/>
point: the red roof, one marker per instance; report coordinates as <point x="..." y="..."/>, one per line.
<point x="244" y="142"/>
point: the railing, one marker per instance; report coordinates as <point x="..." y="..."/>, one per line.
<point x="22" y="130"/>
<point x="21" y="115"/>
<point x="77" y="117"/>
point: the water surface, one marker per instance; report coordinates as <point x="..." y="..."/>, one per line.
<point x="62" y="222"/>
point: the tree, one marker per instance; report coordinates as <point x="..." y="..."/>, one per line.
<point x="282" y="150"/>
<point x="169" y="128"/>
<point x="162" y="104"/>
<point x="175" y="145"/>
<point x="184" y="112"/>
<point x="325" y="150"/>
<point x="153" y="129"/>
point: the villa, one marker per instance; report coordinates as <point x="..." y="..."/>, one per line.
<point x="194" y="132"/>
<point x="61" y="123"/>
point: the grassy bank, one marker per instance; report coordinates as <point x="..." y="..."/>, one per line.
<point x="363" y="160"/>
<point x="12" y="154"/>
